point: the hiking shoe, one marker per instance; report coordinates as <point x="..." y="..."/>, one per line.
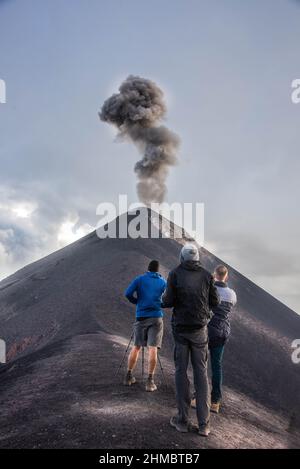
<point x="150" y="385"/>
<point x="204" y="430"/>
<point x="215" y="407"/>
<point x="193" y="428"/>
<point x="183" y="427"/>
<point x="180" y="427"/>
<point x="129" y="379"/>
<point x="193" y="403"/>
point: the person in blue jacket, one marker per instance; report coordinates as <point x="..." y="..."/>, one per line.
<point x="145" y="292"/>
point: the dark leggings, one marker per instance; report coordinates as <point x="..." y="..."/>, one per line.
<point x="216" y="356"/>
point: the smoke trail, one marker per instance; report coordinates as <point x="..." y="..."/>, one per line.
<point x="136" y="111"/>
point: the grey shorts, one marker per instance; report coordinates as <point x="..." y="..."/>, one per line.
<point x="148" y="332"/>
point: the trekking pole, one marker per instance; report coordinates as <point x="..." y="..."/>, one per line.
<point x="123" y="359"/>
<point x="162" y="370"/>
<point x="143" y="362"/>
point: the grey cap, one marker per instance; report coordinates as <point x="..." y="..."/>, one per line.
<point x="189" y="252"/>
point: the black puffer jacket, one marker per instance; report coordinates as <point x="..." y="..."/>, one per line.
<point x="192" y="294"/>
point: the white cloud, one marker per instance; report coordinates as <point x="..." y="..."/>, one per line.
<point x="31" y="229"/>
<point x="68" y="232"/>
<point x="23" y="210"/>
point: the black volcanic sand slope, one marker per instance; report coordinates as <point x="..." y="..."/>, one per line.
<point x="67" y="396"/>
<point x="67" y="324"/>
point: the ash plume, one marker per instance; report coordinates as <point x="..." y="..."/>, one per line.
<point x="136" y="111"/>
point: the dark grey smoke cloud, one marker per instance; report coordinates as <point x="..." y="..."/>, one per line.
<point x="136" y="111"/>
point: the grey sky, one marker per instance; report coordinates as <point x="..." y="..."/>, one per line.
<point x="226" y="67"/>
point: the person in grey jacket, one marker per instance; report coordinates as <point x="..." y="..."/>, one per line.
<point x="191" y="293"/>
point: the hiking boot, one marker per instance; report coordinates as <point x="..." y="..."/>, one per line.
<point x="150" y="385"/>
<point x="193" y="403"/>
<point x="204" y="430"/>
<point x="215" y="407"/>
<point x="129" y="379"/>
<point x="180" y="427"/>
<point x="193" y="428"/>
<point x="183" y="427"/>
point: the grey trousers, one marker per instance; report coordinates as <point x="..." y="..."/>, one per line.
<point x="192" y="345"/>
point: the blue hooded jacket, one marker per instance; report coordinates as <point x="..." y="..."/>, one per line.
<point x="145" y="292"/>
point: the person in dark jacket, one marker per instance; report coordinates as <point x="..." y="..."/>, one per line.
<point x="192" y="294"/>
<point x="145" y="291"/>
<point x="218" y="332"/>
